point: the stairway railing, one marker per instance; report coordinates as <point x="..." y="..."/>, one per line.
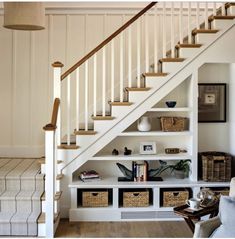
<point x="110" y="65"/>
<point x="51" y="169"/>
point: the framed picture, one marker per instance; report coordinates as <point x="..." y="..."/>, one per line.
<point x="212" y="102"/>
<point x="148" y="148"/>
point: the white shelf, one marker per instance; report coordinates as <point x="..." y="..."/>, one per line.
<point x="156" y="133"/>
<point x="134" y="157"/>
<point x="180" y="109"/>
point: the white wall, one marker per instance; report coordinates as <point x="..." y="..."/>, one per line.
<point x="215" y="136"/>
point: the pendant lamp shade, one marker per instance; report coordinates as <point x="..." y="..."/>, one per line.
<point x="27" y="16"/>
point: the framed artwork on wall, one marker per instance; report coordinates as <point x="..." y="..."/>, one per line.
<point x="212" y="102"/>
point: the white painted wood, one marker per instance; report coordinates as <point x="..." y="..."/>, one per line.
<point x="170" y="67"/>
<point x="138" y="53"/>
<point x="146" y="34"/>
<point x="156" y="197"/>
<point x="73" y="198"/>
<point x="103" y="80"/>
<point x="214" y="9"/>
<point x="155" y="133"/>
<point x="115" y="198"/>
<point x="189" y="23"/>
<point x="172" y="31"/>
<point x="77" y="98"/>
<point x="86" y="95"/>
<point x="68" y="110"/>
<point x="206" y="16"/>
<point x="164" y="31"/>
<point x="94" y="84"/>
<point x="112" y="70"/>
<point x="49" y="183"/>
<point x="187" y="52"/>
<point x="155" y="45"/>
<point x="121" y="67"/>
<point x="129" y="56"/>
<point x="181" y="22"/>
<point x="198" y="16"/>
<point x="223" y="11"/>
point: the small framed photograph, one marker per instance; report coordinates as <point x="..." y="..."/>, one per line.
<point x="148" y="148"/>
<point x="212" y="102"/>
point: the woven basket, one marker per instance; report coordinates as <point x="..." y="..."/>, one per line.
<point x="174" y="198"/>
<point x="95" y="199"/>
<point x="136" y="199"/>
<point x="216" y="166"/>
<point x="172" y="123"/>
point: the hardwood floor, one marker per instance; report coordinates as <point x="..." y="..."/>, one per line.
<point x="123" y="229"/>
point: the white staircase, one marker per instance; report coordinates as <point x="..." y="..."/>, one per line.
<point x="170" y="68"/>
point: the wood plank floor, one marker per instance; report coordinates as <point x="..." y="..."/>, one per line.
<point x="123" y="229"/>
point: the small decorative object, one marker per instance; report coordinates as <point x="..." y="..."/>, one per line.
<point x="171" y="104"/>
<point x="126" y="172"/>
<point x="212" y="102"/>
<point x="172" y="124"/>
<point x="181" y="168"/>
<point x="148" y="148"/>
<point x="127" y="151"/>
<point x="115" y="152"/>
<point x="174" y="150"/>
<point x="207" y="197"/>
<point x="143" y="124"/>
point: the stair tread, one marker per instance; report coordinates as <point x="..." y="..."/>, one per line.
<point x="59" y="176"/>
<point x="25" y="195"/>
<point x="42" y="218"/>
<point x="196" y="31"/>
<point x="100" y="117"/>
<point x="9" y="195"/>
<point x="212" y="18"/>
<point x="33" y="217"/>
<point x="138" y="88"/>
<point x="118" y="103"/>
<point x="8" y="167"/>
<point x="57" y="196"/>
<point x="84" y="132"/>
<point x="43" y="161"/>
<point x="171" y="59"/>
<point x="65" y="146"/>
<point x="158" y="74"/>
<point x="20" y="217"/>
<point x="186" y="45"/>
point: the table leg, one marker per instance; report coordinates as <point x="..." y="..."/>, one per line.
<point x="190" y="224"/>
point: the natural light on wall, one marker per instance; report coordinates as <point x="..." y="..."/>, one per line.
<point x="27" y="16"/>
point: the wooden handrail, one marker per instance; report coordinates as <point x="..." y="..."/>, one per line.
<point x="106" y="41"/>
<point x="52" y="125"/>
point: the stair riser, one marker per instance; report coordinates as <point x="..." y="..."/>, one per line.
<point x="100" y="124"/>
<point x="19" y="229"/>
<point x="5" y="229"/>
<point x="42" y="228"/>
<point x="32" y="229"/>
<point x="2" y="185"/>
<point x="220" y="24"/>
<point x="13" y="184"/>
<point x="204" y="38"/>
<point x="40" y="185"/>
<point x="24" y="206"/>
<point x="231" y="11"/>
<point x="36" y="205"/>
<point x="136" y="96"/>
<point x="170" y="66"/>
<point x="85" y="140"/>
<point x="121" y="110"/>
<point x="28" y="184"/>
<point x="155" y="82"/>
<point x="188" y="52"/>
<point x="8" y="206"/>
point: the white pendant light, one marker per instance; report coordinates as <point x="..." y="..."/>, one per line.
<point x="27" y="16"/>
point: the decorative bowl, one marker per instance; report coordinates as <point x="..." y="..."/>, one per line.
<point x="171" y="104"/>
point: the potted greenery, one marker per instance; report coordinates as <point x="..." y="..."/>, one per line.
<point x="181" y="168"/>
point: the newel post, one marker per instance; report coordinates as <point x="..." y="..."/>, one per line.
<point x="57" y="94"/>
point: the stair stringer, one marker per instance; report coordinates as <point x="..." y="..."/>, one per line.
<point x="215" y="52"/>
<point x="185" y="70"/>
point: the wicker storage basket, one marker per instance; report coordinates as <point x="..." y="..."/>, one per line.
<point x="216" y="166"/>
<point x="224" y="192"/>
<point x="136" y="199"/>
<point x="175" y="198"/>
<point x="172" y="123"/>
<point x="95" y="199"/>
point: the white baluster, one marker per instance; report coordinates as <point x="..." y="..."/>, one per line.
<point x="138" y="53"/>
<point x="146" y="43"/>
<point x="189" y="24"/>
<point x="94" y="84"/>
<point x="223" y="11"/>
<point x="155" y="22"/>
<point x="129" y="58"/>
<point x="164" y="31"/>
<point x="121" y="67"/>
<point x="112" y="71"/>
<point x="77" y="98"/>
<point x="86" y="95"/>
<point x="198" y="16"/>
<point x="103" y="82"/>
<point x="206" y="15"/>
<point x="181" y="22"/>
<point x="68" y="110"/>
<point x="214" y="8"/>
<point x="172" y="31"/>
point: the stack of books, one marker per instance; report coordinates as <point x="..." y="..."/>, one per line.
<point x="89" y="176"/>
<point x="140" y="171"/>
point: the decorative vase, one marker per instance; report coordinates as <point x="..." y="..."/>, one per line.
<point x="179" y="174"/>
<point x="144" y="124"/>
